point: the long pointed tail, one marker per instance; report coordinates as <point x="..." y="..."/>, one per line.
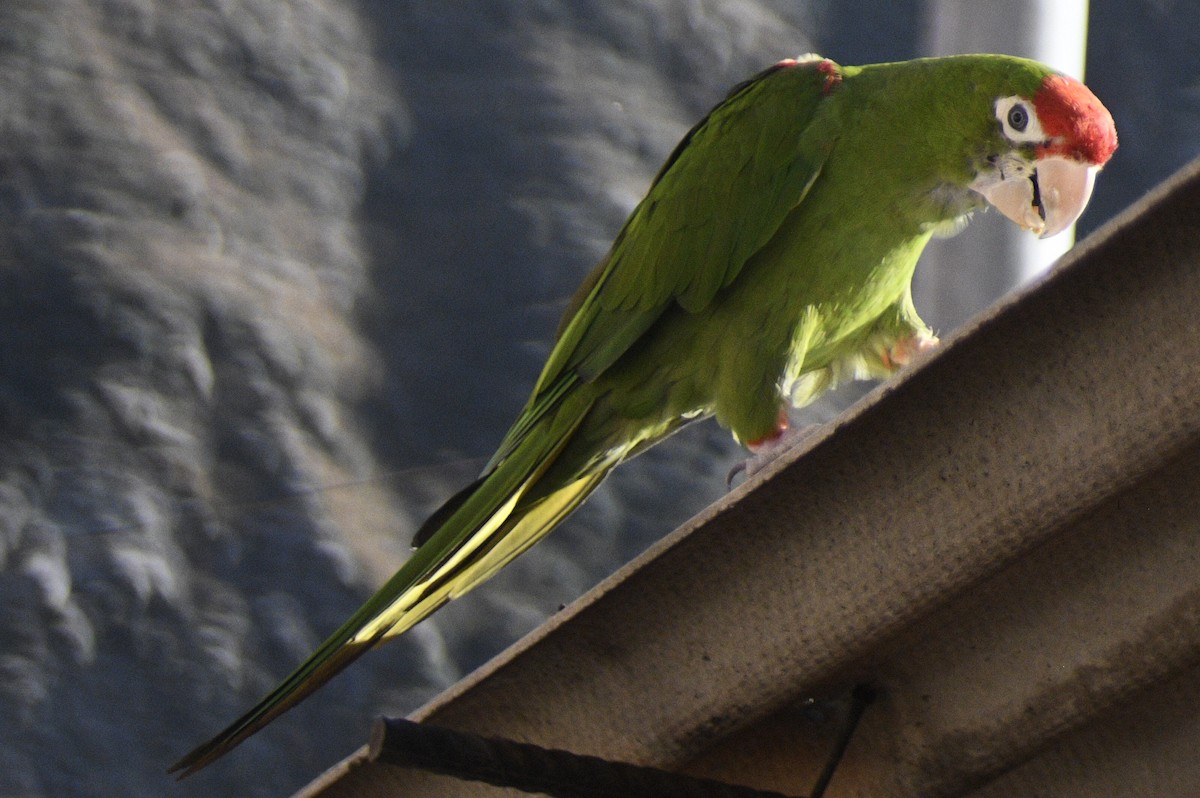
<point x="479" y="532"/>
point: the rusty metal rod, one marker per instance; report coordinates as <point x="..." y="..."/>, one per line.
<point x="530" y="768"/>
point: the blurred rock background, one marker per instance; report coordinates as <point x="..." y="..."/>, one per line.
<point x="274" y="279"/>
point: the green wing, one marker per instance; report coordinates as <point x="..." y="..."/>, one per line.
<point x="720" y="196"/>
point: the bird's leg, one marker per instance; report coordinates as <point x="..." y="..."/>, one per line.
<point x="766" y="449"/>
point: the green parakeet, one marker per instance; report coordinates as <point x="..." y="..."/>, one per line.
<point x="772" y="257"/>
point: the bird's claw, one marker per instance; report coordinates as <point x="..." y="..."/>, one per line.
<point x="738" y="467"/>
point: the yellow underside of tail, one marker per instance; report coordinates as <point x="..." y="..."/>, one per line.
<point x="488" y="550"/>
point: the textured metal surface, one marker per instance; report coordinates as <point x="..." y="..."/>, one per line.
<point x="1004" y="540"/>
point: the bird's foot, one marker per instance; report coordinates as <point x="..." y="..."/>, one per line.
<point x="765" y="451"/>
<point x="907" y="349"/>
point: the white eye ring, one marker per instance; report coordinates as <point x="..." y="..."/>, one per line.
<point x="1009" y="110"/>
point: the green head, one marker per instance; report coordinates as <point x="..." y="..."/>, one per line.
<point x="1033" y="139"/>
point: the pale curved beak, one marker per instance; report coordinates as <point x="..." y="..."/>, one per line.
<point x="1045" y="202"/>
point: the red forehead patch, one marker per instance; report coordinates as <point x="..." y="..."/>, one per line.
<point x="1079" y="123"/>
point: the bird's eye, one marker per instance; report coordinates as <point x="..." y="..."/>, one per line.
<point x="1018" y="118"/>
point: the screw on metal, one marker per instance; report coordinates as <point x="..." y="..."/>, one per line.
<point x="530" y="768"/>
